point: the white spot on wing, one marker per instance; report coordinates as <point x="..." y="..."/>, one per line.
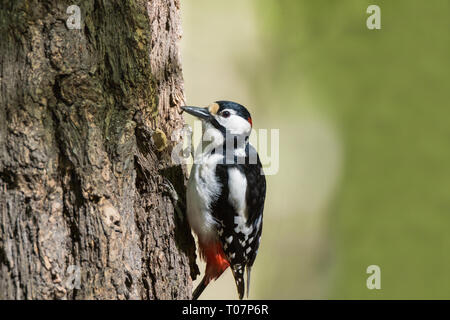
<point x="237" y="184"/>
<point x="241" y="226"/>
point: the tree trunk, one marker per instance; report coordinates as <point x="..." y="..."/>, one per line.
<point x="91" y="206"/>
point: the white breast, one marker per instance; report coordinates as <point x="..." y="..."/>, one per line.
<point x="202" y="190"/>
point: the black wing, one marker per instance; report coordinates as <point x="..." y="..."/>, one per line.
<point x="240" y="248"/>
<point x="255" y="197"/>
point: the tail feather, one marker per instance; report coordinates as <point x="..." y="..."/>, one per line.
<point x="198" y="291"/>
<point x="248" y="279"/>
<point x="238" y="273"/>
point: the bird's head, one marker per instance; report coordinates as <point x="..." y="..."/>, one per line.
<point x="225" y="116"/>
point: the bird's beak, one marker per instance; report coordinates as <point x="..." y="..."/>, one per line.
<point x="201" y="113"/>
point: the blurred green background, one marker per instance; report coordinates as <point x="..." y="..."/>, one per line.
<point x="364" y="119"/>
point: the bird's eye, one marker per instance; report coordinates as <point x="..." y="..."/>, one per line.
<point x="225" y="114"/>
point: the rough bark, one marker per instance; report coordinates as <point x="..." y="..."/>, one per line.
<point x="87" y="186"/>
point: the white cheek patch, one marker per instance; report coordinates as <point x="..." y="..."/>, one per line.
<point x="235" y="124"/>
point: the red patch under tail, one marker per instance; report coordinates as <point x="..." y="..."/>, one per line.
<point x="216" y="261"/>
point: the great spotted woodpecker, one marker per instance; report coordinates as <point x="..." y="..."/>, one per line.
<point x="226" y="193"/>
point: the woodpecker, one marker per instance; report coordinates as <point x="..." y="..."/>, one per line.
<point x="226" y="193"/>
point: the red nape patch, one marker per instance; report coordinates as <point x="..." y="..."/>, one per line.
<point x="250" y="121"/>
<point x="216" y="261"/>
